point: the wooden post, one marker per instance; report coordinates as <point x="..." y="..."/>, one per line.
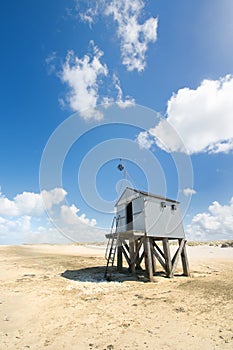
<point x="119" y="258"/>
<point x="167" y="255"/>
<point x="124" y="251"/>
<point x="137" y="247"/>
<point x="176" y="257"/>
<point x="153" y="256"/>
<point x="131" y="254"/>
<point x="148" y="258"/>
<point x="184" y="259"/>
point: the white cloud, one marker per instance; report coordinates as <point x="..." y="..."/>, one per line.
<point x="134" y="36"/>
<point x="83" y="78"/>
<point x="26" y="229"/>
<point x="87" y="17"/>
<point x="222" y="147"/>
<point x="90" y="14"/>
<point x="201" y="117"/>
<point x="50" y="62"/>
<point x="77" y="227"/>
<point x="7" y="207"/>
<point x="87" y="10"/>
<point x="144" y="140"/>
<point x="52" y="197"/>
<point x="22" y="224"/>
<point x="29" y="203"/>
<point x="70" y="216"/>
<point x="217" y="223"/>
<point x="23" y="219"/>
<point x="121" y="102"/>
<point x="189" y="191"/>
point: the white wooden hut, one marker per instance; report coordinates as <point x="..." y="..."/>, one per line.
<point x="142" y="219"/>
<point x="142" y="212"/>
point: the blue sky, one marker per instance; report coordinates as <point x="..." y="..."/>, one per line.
<point x="64" y="57"/>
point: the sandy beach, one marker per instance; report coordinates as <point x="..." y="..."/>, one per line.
<point x="55" y="297"/>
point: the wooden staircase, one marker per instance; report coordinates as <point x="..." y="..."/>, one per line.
<point x="111" y="249"/>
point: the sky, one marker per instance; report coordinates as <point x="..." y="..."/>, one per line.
<point x="88" y="85"/>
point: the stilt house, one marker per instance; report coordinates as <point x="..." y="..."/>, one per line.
<point x="142" y="219"/>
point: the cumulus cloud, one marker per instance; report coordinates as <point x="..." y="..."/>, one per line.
<point x="189" y="191"/>
<point x="83" y="76"/>
<point x="216" y="223"/>
<point x="201" y="117"/>
<point x="53" y="197"/>
<point x="29" y="203"/>
<point x="26" y="229"/>
<point x="134" y="36"/>
<point x="70" y="216"/>
<point x="22" y="224"/>
<point x="23" y="219"/>
<point x="144" y="140"/>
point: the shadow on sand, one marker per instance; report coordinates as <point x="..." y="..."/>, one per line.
<point x="96" y="274"/>
<point x="89" y="274"/>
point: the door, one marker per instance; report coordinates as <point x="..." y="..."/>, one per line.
<point x="129" y="216"/>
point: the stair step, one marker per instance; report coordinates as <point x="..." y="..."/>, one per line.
<point x="111" y="248"/>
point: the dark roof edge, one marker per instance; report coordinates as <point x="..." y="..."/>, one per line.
<point x="148" y="194"/>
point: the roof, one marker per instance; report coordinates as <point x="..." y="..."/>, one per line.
<point x="146" y="194"/>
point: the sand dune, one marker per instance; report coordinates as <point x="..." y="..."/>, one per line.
<point x="54" y="297"/>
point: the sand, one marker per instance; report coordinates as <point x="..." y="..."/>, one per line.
<point x="54" y="297"/>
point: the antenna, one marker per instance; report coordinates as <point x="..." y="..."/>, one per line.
<point x="122" y="167"/>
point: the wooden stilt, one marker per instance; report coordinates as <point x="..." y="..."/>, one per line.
<point x="153" y="256"/>
<point x="176" y="257"/>
<point x="138" y="244"/>
<point x="184" y="258"/>
<point x="131" y="254"/>
<point x="148" y="258"/>
<point x="125" y="255"/>
<point x="136" y="248"/>
<point x="167" y="256"/>
<point x="119" y="258"/>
